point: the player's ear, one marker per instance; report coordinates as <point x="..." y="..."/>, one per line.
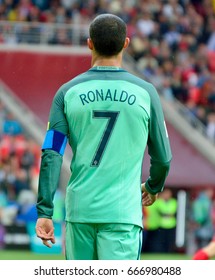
<point x="127" y="41"/>
<point x="90" y="44"/>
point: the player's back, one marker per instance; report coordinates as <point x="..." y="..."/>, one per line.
<point x="108" y="113"/>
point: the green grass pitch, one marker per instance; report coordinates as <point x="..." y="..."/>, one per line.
<point x="28" y="255"/>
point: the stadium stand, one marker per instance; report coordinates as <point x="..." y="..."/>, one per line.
<point x="170" y="39"/>
<point x="173" y="45"/>
<point x="19" y="167"/>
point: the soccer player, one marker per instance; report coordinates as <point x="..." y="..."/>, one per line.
<point x="108" y="116"/>
<point x="207" y="252"/>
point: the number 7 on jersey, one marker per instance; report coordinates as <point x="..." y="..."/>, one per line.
<point x="112" y="118"/>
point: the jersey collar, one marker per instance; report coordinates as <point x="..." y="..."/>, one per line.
<point x="106" y="68"/>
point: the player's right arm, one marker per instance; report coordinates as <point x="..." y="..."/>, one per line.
<point x="147" y="198"/>
<point x="158" y="146"/>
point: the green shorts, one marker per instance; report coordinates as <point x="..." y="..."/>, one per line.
<point x="103" y="241"/>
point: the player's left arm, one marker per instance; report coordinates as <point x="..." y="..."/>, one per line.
<point x="52" y="156"/>
<point x="45" y="231"/>
<point x="158" y="146"/>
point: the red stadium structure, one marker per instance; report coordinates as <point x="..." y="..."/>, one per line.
<point x="35" y="76"/>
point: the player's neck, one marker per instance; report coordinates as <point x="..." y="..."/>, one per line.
<point x="107" y="61"/>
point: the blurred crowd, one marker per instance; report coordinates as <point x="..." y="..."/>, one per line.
<point x="19" y="169"/>
<point x="173" y="41"/>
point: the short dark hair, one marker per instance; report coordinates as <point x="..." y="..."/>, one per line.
<point x="108" y="33"/>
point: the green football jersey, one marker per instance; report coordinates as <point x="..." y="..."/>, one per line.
<point x="109" y="116"/>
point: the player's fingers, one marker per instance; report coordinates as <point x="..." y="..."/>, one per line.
<point x="149" y="203"/>
<point x="147" y="200"/>
<point x="146" y="203"/>
<point x="40" y="233"/>
<point x="43" y="235"/>
<point x="39" y="230"/>
<point x="144" y="195"/>
<point x="45" y="239"/>
<point x="52" y="239"/>
<point x="46" y="243"/>
<point x="51" y="235"/>
<point x="51" y="232"/>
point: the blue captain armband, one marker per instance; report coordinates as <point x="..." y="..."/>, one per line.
<point x="55" y="140"/>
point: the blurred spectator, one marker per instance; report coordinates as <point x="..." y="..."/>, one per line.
<point x="11" y="126"/>
<point x="172" y="36"/>
<point x="148" y="64"/>
<point x="27" y="159"/>
<point x="159" y="222"/>
<point x="2" y="239"/>
<point x="201" y="213"/>
<point x="167" y="209"/>
<point x="211" y="39"/>
<point x="26" y="203"/>
<point x="60" y="37"/>
<point x="41" y="4"/>
<point x="145" y="24"/>
<point x="210" y="129"/>
<point x="3" y="114"/>
<point x="151" y="222"/>
<point x="7" y="179"/>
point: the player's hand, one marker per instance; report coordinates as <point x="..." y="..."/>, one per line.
<point x="45" y="231"/>
<point x="147" y="198"/>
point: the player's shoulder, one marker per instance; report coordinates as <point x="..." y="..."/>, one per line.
<point x="74" y="81"/>
<point x="148" y="86"/>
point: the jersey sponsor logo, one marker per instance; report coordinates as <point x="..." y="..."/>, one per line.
<point x="107" y="95"/>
